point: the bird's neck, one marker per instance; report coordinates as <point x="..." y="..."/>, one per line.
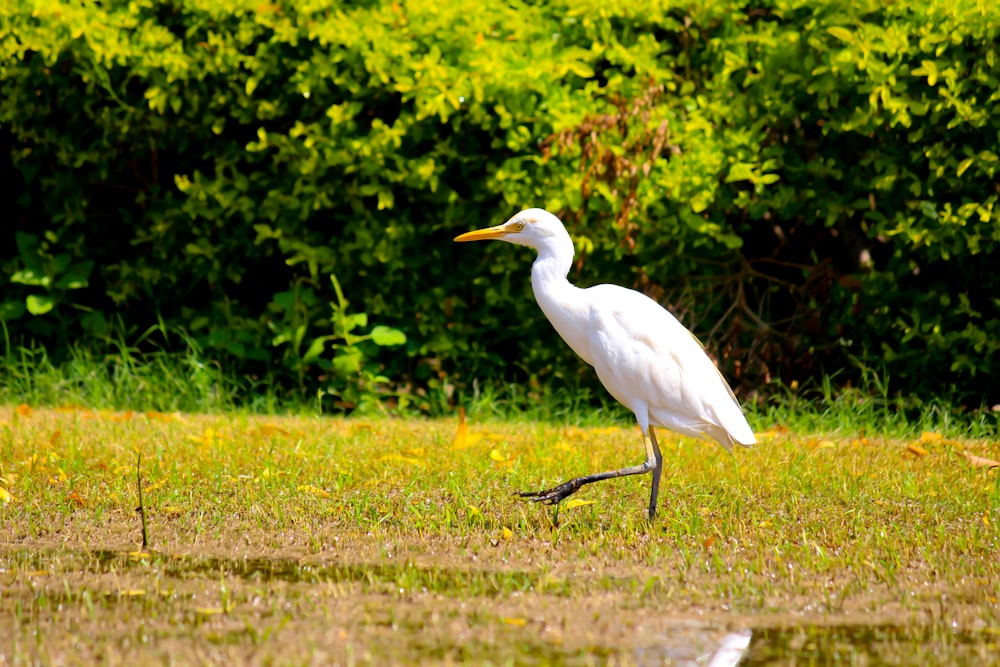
<point x="553" y="262"/>
<point x="552" y="265"/>
<point x="562" y="302"/>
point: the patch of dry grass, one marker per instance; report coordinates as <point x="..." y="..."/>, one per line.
<point x="298" y="541"/>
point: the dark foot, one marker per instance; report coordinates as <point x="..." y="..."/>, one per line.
<point x="555" y="494"/>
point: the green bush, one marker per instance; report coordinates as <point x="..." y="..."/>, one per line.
<point x="811" y="186"/>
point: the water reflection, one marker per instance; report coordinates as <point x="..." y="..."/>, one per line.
<point x="856" y="642"/>
<point x="732" y="649"/>
<point x="697" y="646"/>
<point x="850" y="642"/>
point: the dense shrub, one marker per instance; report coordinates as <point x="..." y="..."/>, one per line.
<point x="811" y="185"/>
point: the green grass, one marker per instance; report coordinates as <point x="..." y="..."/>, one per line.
<point x="126" y="380"/>
<point x="299" y="540"/>
<point x="191" y="382"/>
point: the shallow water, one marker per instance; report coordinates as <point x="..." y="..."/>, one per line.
<point x="400" y="613"/>
<point x="850" y="644"/>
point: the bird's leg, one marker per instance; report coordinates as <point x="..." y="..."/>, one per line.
<point x="653" y="463"/>
<point x="657" y="469"/>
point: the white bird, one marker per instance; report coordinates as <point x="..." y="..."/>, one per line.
<point x="644" y="357"/>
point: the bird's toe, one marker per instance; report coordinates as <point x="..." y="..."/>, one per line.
<point x="553" y="495"/>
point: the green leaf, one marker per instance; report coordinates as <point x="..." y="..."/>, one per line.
<point x="740" y="171"/>
<point x="841" y="33"/>
<point x="11" y="310"/>
<point x="39" y="304"/>
<point x="76" y="276"/>
<point x="384" y="336"/>
<point x="929" y="67"/>
<point x="348" y="363"/>
<point x="95" y="324"/>
<point x="356" y="320"/>
<point x="582" y="70"/>
<point x="314" y="351"/>
<point x="964" y="165"/>
<point x="30" y="277"/>
<point x="385" y="199"/>
<point x="27" y="245"/>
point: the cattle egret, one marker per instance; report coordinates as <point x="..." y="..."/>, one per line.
<point x="644" y="357"/>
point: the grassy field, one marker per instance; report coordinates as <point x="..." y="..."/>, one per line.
<point x="299" y="540"/>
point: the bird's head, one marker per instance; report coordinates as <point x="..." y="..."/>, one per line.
<point x="533" y="227"/>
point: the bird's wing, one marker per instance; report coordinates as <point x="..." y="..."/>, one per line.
<point x="642" y="354"/>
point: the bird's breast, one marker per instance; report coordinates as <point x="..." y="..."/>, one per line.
<point x="569" y="316"/>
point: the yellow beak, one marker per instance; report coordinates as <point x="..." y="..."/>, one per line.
<point x="487" y="234"/>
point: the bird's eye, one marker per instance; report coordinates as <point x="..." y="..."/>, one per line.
<point x="518" y="226"/>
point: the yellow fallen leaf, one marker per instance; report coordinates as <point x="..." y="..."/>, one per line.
<point x="25" y="410"/>
<point x="355" y="429"/>
<point x="498" y="456"/>
<point x="563" y="446"/>
<point x="507" y="533"/>
<point x="209" y="611"/>
<point x="930" y="437"/>
<point x="510" y="620"/>
<point x="208" y="437"/>
<point x="980" y="461"/>
<point x="416" y="452"/>
<point x="314" y="490"/>
<point x="462" y="433"/>
<point x="267" y="430"/>
<point x="576" y="502"/>
<point x="401" y="459"/>
<point x="916" y="450"/>
<point x="463" y="437"/>
<point x="825" y="444"/>
<point x="4" y="495"/>
<point x="473" y="510"/>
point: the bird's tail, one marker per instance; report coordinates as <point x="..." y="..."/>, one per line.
<point x="727" y="439"/>
<point x="732" y="428"/>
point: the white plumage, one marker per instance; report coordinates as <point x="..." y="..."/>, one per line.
<point x="644" y="357"/>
